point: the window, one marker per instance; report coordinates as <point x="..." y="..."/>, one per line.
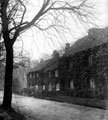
<point x="37" y="87"/>
<point x="56" y="73"/>
<point x="37" y="75"/>
<point x="92" y="84"/>
<point x="71" y="84"/>
<point x="43" y="87"/>
<point x="33" y="75"/>
<point x="57" y="87"/>
<point x="30" y="75"/>
<point x="90" y="60"/>
<point x="49" y="87"/>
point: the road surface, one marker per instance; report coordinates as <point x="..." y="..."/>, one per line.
<point x="49" y="110"/>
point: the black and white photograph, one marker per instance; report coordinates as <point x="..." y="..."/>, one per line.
<point x="53" y="59"/>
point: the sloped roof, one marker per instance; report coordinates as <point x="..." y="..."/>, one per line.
<point x="95" y="37"/>
<point x="52" y="64"/>
<point x="46" y="65"/>
<point x="40" y="66"/>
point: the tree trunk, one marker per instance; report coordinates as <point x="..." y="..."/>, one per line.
<point x="7" y="99"/>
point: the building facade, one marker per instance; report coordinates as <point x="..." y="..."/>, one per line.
<point x="82" y="71"/>
<point x="44" y="79"/>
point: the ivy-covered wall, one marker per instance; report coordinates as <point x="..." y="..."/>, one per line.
<point x="88" y="69"/>
<point x="82" y="74"/>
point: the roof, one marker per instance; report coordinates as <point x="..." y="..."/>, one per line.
<point x="52" y="64"/>
<point x="46" y="65"/>
<point x="95" y="37"/>
<point x="40" y="66"/>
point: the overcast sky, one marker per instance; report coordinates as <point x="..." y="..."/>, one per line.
<point x="36" y="45"/>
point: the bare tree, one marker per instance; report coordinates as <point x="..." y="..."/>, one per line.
<point x="2" y="52"/>
<point x="13" y="22"/>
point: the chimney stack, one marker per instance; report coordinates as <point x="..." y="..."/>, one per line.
<point x="67" y="48"/>
<point x="55" y="54"/>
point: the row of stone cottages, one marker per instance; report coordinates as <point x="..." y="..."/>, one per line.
<point x="82" y="71"/>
